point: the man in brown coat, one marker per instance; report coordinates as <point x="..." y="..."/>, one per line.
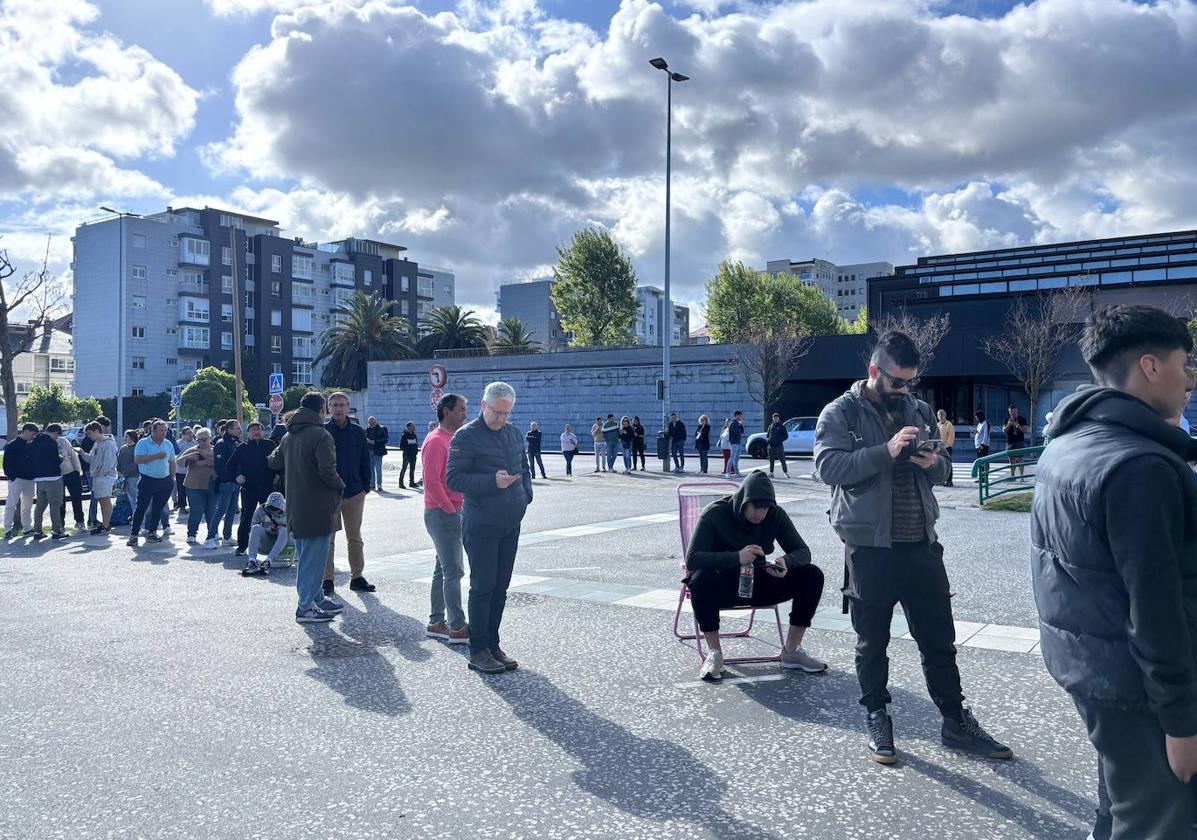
<point x="313" y="491"/>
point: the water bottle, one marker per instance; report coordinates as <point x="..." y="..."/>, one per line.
<point x="746" y="573"/>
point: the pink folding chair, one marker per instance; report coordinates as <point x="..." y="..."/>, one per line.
<point x="692" y="497"/>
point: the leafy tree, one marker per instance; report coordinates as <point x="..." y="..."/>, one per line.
<point x="860" y="326"/>
<point x="451" y="328"/>
<point x="367" y="333"/>
<point x="293" y="395"/>
<point x="512" y="335"/>
<point x="595" y="292"/>
<point x="211" y="396"/>
<point x="48" y="405"/>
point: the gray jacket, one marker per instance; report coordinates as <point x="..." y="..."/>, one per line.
<point x="852" y="456"/>
<point x="102" y="458"/>
<point x="475" y="455"/>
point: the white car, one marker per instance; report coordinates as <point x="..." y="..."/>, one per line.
<point x="800" y="442"/>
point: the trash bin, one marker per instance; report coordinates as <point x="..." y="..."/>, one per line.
<point x="663" y="449"/>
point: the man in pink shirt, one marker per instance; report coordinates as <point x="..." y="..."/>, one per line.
<point x="442" y="518"/>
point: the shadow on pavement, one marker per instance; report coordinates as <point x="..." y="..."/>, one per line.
<point x="646" y="777"/>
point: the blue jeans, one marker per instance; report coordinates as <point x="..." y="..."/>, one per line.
<point x="311" y="553"/>
<point x="734" y="463"/>
<point x="445" y="530"/>
<point x="226" y="507"/>
<point x="201" y="505"/>
<point x="376" y="470"/>
<point x="627" y="457"/>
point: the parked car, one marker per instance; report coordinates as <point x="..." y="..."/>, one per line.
<point x="800" y="442"/>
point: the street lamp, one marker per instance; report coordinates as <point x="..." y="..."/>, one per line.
<point x="120" y="323"/>
<point x="667" y="338"/>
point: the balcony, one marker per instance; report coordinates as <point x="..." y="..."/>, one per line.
<point x="249" y="312"/>
<point x="192" y="344"/>
<point x="188" y="287"/>
<point x="249" y="341"/>
<point x="301" y="295"/>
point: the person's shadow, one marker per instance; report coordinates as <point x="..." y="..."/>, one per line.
<point x="647" y="777"/>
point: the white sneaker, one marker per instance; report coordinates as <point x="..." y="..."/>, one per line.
<point x="191" y="540"/>
<point x="166" y="532"/>
<point x="712" y="667"/>
<point x="800" y="660"/>
<point x="210" y="544"/>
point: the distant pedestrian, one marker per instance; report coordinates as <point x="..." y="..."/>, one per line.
<point x="86" y="446"/>
<point x="228" y="490"/>
<point x="1016" y="438"/>
<point x="533" y="439"/>
<point x="627" y="437"/>
<point x="72" y="476"/>
<point x="569" y="448"/>
<point x="307" y="457"/>
<point x="735" y="436"/>
<point x="702" y="442"/>
<point x="725" y="447"/>
<point x="126" y="466"/>
<point x="638" y="443"/>
<point x="981" y="440"/>
<point x="101" y="460"/>
<point x="251" y="471"/>
<point x="409" y="447"/>
<point x="677" y="442"/>
<point x="611" y="438"/>
<point x="489" y="467"/>
<point x="947" y="433"/>
<point x="47" y="481"/>
<point x="442" y="519"/>
<point x="379" y="437"/>
<point x="600" y="445"/>
<point x="200" y="461"/>
<point x="155" y="458"/>
<point x="776" y="439"/>
<point x="18" y="466"/>
<point x="353" y="465"/>
<point x="185" y="443"/>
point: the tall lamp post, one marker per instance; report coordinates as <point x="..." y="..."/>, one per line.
<point x="120" y="323"/>
<point x="667" y="335"/>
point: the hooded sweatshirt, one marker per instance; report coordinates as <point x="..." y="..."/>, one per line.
<point x="1114" y="558"/>
<point x="272" y="515"/>
<point x="102" y="457"/>
<point x="722" y="530"/>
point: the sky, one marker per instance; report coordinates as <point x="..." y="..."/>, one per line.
<point x="481" y="134"/>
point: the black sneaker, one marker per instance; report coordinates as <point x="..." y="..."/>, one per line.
<point x="241" y="552"/>
<point x="508" y="663"/>
<point x="132" y="541"/>
<point x="96" y="531"/>
<point x="39" y="535"/>
<point x="153" y="536"/>
<point x="360" y="584"/>
<point x="485" y="663"/>
<point x="881" y="737"/>
<point x="58" y="535"/>
<point x="968" y="735"/>
<point x="327" y="587"/>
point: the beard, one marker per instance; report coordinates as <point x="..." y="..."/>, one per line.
<point x="892" y="401"/>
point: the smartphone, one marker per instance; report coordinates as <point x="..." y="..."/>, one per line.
<point x="931" y="445"/>
<point x="772" y="564"/>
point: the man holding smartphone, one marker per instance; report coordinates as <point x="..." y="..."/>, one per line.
<point x="871" y="446"/>
<point x="488" y="465"/>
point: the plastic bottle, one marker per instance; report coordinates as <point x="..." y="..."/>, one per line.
<point x="746" y="577"/>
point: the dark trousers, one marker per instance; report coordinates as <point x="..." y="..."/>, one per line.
<point x="712" y="590"/>
<point x="251" y="497"/>
<point x="1143" y="797"/>
<point x="778" y="453"/>
<point x="409" y="463"/>
<point x="153" y="494"/>
<point x="534" y="461"/>
<point x="678" y="449"/>
<point x="638" y="452"/>
<point x="913" y="575"/>
<point x="72" y="482"/>
<point x="703" y="459"/>
<point x="492" y="559"/>
<point x="180" y="491"/>
<point x="569" y="461"/>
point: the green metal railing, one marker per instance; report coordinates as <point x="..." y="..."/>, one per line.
<point x="995" y="474"/>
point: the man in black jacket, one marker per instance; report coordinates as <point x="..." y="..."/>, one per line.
<point x="353" y="465"/>
<point x="18" y="466"/>
<point x="1114" y="567"/>
<point x="738" y="531"/>
<point x="409" y="446"/>
<point x="778" y="435"/>
<point x="227" y="488"/>
<point x="488" y="465"/>
<point x="379" y="437"/>
<point x="248" y="466"/>
<point x="47" y="481"/>
<point x="677" y="442"/>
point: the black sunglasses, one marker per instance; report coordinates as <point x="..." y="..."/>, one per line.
<point x="898" y="382"/>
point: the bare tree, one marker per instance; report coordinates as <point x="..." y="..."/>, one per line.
<point x="38" y="295"/>
<point x="926" y="333"/>
<point x="766" y="358"/>
<point x="1036" y="329"/>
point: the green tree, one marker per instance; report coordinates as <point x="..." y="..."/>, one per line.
<point x="86" y="409"/>
<point x="48" y="405"/>
<point x="451" y="328"/>
<point x="595" y="292"/>
<point x="211" y="396"/>
<point x="860" y="326"/>
<point x="293" y="395"/>
<point x="366" y="333"/>
<point x="512" y="336"/>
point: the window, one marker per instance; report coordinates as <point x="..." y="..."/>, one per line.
<point x="171" y="330"/>
<point x="226" y="255"/>
<point x="62" y="364"/>
<point x="276" y="367"/>
<point x="226" y="285"/>
<point x="301" y="266"/>
<point x="276" y="317"/>
<point x="227" y="220"/>
<point x="276" y="288"/>
<point x="138" y="272"/>
<point x="404" y="283"/>
<point x="276" y="264"/>
<point x="195" y="250"/>
<point x="424" y="286"/>
<point x="172" y="272"/>
<point x="139" y="363"/>
<point x="226" y="341"/>
<point x="301" y="373"/>
<point x="138" y="301"/>
<point x="301" y="347"/>
<point x="276" y="344"/>
<point x="195" y="309"/>
<point x="226" y="313"/>
<point x="342" y="273"/>
<point x="367" y="277"/>
<point x="139" y="332"/>
<point x="301" y="319"/>
<point x="172" y="360"/>
<point x="138" y="392"/>
<point x="138" y="240"/>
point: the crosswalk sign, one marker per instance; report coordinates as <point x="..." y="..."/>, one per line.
<point x="276" y="383"/>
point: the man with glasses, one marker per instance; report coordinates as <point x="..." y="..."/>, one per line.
<point x="488" y="465"/>
<point x="878" y="447"/>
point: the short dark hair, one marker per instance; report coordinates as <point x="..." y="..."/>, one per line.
<point x="145" y="423"/>
<point x="252" y="424"/>
<point x="30" y="427"/>
<point x="103" y="421"/>
<point x="131" y="433"/>
<point x="1117" y="336"/>
<point x="53" y="429"/>
<point x="737" y="413"/>
<point x="93" y="426"/>
<point x="313" y="400"/>
<point x="446" y="403"/>
<point x="897" y="349"/>
<point x="980" y="415"/>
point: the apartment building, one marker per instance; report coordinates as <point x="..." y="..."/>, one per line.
<point x="846" y="286"/>
<point x="648" y="326"/>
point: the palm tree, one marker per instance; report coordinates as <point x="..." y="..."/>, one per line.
<point x="513" y="336"/>
<point x="451" y="328"/>
<point x="367" y="332"/>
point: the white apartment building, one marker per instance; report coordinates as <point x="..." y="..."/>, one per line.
<point x="648" y="326"/>
<point x="846" y="286"/>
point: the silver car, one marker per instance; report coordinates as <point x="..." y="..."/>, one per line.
<point x="800" y="442"/>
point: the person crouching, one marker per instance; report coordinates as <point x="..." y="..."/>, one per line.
<point x="268" y="532"/>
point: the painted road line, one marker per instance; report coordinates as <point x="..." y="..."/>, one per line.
<point x="731" y="681"/>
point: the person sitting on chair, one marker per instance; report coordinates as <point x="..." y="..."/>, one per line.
<point x="740" y="530"/>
